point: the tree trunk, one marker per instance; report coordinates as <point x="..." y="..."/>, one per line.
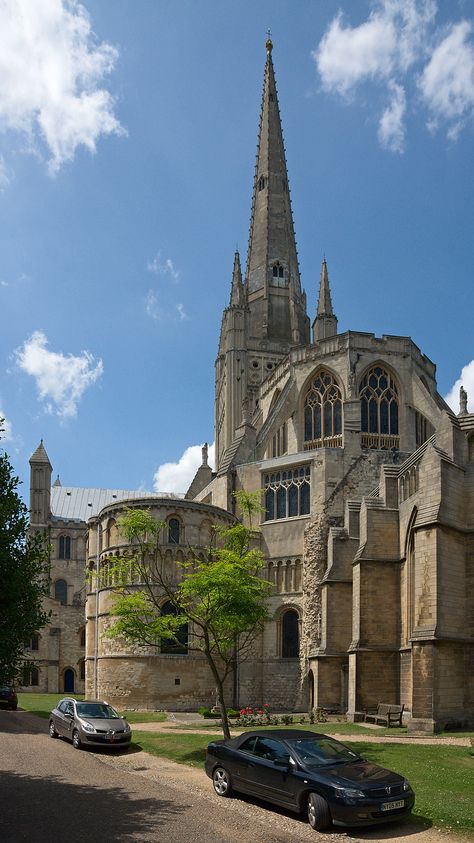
<point x="219" y="687"/>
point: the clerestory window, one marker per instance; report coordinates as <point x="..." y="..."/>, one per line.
<point x="64" y="547"/>
<point x="379" y="409"/>
<point x="290" y="635"/>
<point x="287" y="493"/>
<point x="323" y="413"/>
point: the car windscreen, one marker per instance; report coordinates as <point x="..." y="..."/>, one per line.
<point x="320" y="752"/>
<point x="96" y="710"/>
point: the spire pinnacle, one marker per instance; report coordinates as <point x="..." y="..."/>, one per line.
<point x="269" y="43"/>
<point x="237" y="296"/>
<point x="325" y="323"/>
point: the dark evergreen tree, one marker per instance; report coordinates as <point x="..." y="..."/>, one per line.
<point x="24" y="576"/>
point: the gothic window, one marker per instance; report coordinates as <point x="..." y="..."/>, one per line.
<point x="261" y="182"/>
<point x="169" y="645"/>
<point x="32" y="643"/>
<point x="82" y="636"/>
<point x="287" y="493"/>
<point x="379" y="409"/>
<point x="423" y="429"/>
<point x="174" y="531"/>
<point x="30" y="676"/>
<point x="290" y="635"/>
<point x="110" y="532"/>
<point x="64" y="547"/>
<point x="278" y="275"/>
<point x="60" y="591"/>
<point x="323" y="413"/>
<point x="280" y="441"/>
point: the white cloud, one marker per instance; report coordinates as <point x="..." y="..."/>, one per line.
<point x="163" y="267"/>
<point x="391" y="132"/>
<point x="177" y="476"/>
<point x="5" y="175"/>
<point x="51" y="69"/>
<point x="61" y="379"/>
<point x="151" y="305"/>
<point x="467" y="381"/>
<point x="6" y="432"/>
<point x="384" y="49"/>
<point x="181" y="312"/>
<point x="447" y="82"/>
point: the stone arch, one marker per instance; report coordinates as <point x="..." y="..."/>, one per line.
<point x="321" y="410"/>
<point x="60" y="591"/>
<point x="288" y="629"/>
<point x="174" y="529"/>
<point x="380" y="400"/>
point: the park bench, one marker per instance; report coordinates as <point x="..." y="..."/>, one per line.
<point x="384" y="714"/>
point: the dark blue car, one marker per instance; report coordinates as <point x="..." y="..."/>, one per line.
<point x="305" y="771"/>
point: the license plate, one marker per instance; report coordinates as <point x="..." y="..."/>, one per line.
<point x="391" y="806"/>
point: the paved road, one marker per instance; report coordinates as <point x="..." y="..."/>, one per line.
<point x="51" y="793"/>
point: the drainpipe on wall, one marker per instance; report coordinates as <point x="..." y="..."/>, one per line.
<point x="96" y="636"/>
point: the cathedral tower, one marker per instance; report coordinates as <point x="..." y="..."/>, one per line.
<point x="40" y="487"/>
<point x="267" y="312"/>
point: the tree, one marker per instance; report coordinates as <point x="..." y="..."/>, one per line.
<point x="24" y="574"/>
<point x="223" y="599"/>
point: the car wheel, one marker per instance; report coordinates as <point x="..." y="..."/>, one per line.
<point x="221" y="782"/>
<point x="318" y="812"/>
<point x="52" y="731"/>
<point x="76" y="741"/>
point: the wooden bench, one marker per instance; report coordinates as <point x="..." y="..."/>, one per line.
<point x="384" y="714"/>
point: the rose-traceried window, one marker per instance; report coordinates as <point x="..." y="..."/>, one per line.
<point x="323" y="413"/>
<point x="379" y="409"/>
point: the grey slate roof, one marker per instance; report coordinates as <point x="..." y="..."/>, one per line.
<point x="81" y="504"/>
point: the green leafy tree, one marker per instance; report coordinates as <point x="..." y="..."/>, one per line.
<point x="222" y="599"/>
<point x="24" y="574"/>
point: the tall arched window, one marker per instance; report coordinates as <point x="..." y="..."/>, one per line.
<point x="323" y="413"/>
<point x="34" y="676"/>
<point x="379" y="409"/>
<point x="290" y="635"/>
<point x="64" y="547"/>
<point x="169" y="645"/>
<point x="60" y="591"/>
<point x="174" y="531"/>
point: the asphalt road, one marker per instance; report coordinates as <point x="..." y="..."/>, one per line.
<point x="51" y="793"/>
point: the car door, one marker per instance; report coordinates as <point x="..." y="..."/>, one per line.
<point x="268" y="772"/>
<point x="65" y="718"/>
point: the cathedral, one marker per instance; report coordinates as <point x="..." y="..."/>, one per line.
<point x="367" y="483"/>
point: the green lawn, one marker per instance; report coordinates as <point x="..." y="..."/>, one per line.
<point x="442" y="776"/>
<point x="42" y="704"/>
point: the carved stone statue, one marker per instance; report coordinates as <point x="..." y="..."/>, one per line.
<point x="462" y="401"/>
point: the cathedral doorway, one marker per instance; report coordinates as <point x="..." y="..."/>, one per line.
<point x="69" y="681"/>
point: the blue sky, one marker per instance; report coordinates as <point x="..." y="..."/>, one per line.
<point x="127" y="148"/>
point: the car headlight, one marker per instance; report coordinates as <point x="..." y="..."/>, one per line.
<point x="406" y="785"/>
<point x="127" y="728"/>
<point x="88" y="727"/>
<point x="349" y="793"/>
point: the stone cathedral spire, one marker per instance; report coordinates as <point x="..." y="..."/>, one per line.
<point x="325" y="323"/>
<point x="277" y="304"/>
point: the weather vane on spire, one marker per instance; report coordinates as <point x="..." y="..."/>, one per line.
<point x="269" y="43"/>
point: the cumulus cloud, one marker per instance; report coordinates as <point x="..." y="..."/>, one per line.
<point x="399" y="48"/>
<point x="164" y="267"/>
<point x="152" y="307"/>
<point x="51" y="71"/>
<point x="5" y="175"/>
<point x="466" y="380"/>
<point x="177" y="476"/>
<point x="61" y="379"/>
<point x="447" y="82"/>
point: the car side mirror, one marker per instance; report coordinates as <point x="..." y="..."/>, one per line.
<point x="282" y="762"/>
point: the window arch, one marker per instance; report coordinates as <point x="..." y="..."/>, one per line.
<point x="30" y="676"/>
<point x="379" y="409"/>
<point x="60" y="591"/>
<point x="323" y="412"/>
<point x="64" y="547"/>
<point x="261" y="183"/>
<point x="278" y="275"/>
<point x="174" y="531"/>
<point x="170" y="645"/>
<point x="290" y="634"/>
<point x="111" y="532"/>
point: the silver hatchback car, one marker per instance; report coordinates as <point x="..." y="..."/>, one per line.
<point x="89" y="723"/>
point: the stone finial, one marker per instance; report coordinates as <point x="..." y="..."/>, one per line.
<point x="462" y="401"/>
<point x="205" y="453"/>
<point x="57" y="482"/>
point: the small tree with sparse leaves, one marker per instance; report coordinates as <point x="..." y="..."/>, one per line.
<point x="223" y="599"/>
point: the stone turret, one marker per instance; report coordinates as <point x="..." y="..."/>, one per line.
<point x="325" y="323"/>
<point x="40" y="487"/>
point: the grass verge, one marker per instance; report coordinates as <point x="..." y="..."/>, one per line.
<point x="42" y="704"/>
<point x="442" y="776"/>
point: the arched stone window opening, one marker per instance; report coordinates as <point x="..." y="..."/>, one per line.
<point x="290" y="635"/>
<point x="287" y="493"/>
<point x="110" y="532"/>
<point x="64" y="547"/>
<point x="69" y="681"/>
<point x="379" y="410"/>
<point x="278" y="278"/>
<point x="174" y="531"/>
<point x="323" y="413"/>
<point x="261" y="183"/>
<point x="30" y="677"/>
<point x="169" y="645"/>
<point x="60" y="591"/>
